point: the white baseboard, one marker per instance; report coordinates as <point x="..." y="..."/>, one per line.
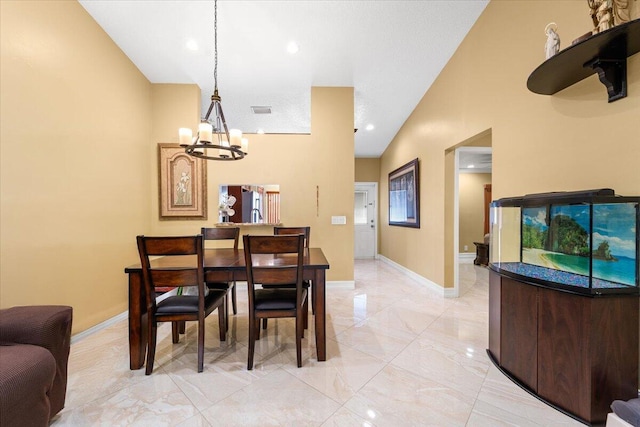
<point x="466" y="257"/>
<point x="341" y="284"/>
<point x="445" y="292"/>
<point x="100" y="326"/>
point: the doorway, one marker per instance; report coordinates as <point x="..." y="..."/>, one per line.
<point x="471" y="220"/>
<point x="365" y="220"/>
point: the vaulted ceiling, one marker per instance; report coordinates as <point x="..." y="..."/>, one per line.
<point x="390" y="52"/>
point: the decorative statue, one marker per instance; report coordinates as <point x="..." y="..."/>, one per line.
<point x="552" y="46"/>
<point x="606" y="14"/>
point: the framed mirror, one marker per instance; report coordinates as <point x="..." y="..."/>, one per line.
<point x="249" y="204"/>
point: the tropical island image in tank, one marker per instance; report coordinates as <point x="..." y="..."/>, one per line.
<point x="557" y="237"/>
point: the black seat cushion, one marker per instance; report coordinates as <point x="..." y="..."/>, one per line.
<point x="276" y="299"/>
<point x="305" y="284"/>
<point x="186" y="303"/>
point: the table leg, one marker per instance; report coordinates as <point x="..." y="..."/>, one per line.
<point x="137" y="322"/>
<point x="320" y="316"/>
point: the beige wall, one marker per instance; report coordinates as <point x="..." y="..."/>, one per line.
<point x="569" y="141"/>
<point x="80" y="127"/>
<point x="471" y="209"/>
<point x="298" y="163"/>
<point x="367" y="169"/>
<point x="76" y="123"/>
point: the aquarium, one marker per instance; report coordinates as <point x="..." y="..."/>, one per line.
<point x="583" y="241"/>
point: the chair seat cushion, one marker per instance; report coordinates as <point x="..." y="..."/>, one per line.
<point x="305" y="284"/>
<point x="26" y="377"/>
<point x="277" y="299"/>
<point x="177" y="304"/>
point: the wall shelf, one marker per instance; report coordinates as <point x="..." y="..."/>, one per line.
<point x="605" y="53"/>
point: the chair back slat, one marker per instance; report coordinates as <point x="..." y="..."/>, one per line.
<point x="179" y="277"/>
<point x="179" y="245"/>
<point x="306" y="231"/>
<point x="282" y="275"/>
<point x="222" y="233"/>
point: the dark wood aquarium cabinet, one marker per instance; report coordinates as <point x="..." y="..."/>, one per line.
<point x="563" y="298"/>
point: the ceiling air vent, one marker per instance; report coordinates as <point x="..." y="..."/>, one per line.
<point x="261" y="109"/>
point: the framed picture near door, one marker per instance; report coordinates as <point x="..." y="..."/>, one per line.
<point x="182" y="184"/>
<point x="404" y="195"/>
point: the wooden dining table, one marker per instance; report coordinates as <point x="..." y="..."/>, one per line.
<point x="221" y="265"/>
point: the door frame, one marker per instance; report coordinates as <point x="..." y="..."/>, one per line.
<point x="456" y="213"/>
<point x="376" y="215"/>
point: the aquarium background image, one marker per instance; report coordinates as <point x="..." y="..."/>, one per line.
<point x="557" y="237"/>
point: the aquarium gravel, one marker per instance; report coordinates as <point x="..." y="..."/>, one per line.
<point x="556" y="276"/>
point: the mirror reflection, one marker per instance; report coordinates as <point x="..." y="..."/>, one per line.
<point x="249" y="204"/>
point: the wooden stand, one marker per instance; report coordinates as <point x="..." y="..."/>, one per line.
<point x="577" y="353"/>
<point x="482" y="254"/>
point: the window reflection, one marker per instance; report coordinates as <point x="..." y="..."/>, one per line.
<point x="360" y="203"/>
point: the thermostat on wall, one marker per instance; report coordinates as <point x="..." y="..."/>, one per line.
<point x="338" y="220"/>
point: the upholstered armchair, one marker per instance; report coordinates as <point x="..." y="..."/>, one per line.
<point x="34" y="351"/>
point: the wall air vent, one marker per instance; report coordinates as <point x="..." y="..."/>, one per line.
<point x="261" y="109"/>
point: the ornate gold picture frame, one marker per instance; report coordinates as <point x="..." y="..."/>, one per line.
<point x="182" y="184"/>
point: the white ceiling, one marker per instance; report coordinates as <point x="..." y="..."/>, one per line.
<point x="389" y="51"/>
<point x="475" y="160"/>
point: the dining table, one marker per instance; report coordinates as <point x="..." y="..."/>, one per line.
<point x="221" y="265"/>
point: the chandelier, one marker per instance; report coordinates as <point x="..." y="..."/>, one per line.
<point x="214" y="140"/>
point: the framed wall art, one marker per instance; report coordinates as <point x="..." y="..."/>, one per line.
<point x="404" y="195"/>
<point x="182" y="184"/>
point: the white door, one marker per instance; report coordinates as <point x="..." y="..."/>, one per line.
<point x="365" y="219"/>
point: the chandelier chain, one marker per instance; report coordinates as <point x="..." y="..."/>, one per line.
<point x="215" y="45"/>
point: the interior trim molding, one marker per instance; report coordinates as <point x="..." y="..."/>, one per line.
<point x="466" y="257"/>
<point x="100" y="326"/>
<point x="445" y="292"/>
<point x="341" y="284"/>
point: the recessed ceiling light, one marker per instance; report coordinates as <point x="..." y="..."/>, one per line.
<point x="471" y="166"/>
<point x="293" y="48"/>
<point x="370" y="127"/>
<point x="192" y="44"/>
<point x="260" y="131"/>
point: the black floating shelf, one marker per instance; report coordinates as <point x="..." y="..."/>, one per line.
<point x="605" y="53"/>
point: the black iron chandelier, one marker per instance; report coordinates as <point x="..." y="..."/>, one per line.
<point x="214" y="140"/>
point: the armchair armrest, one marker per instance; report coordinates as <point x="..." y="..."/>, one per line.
<point x="47" y="326"/>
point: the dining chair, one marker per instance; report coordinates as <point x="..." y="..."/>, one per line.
<point x="185" y="272"/>
<point x="224" y="233"/>
<point x="275" y="260"/>
<point x="306" y="232"/>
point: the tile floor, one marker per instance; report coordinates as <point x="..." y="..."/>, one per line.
<point x="398" y="355"/>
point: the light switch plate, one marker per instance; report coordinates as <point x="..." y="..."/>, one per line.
<point x="338" y="220"/>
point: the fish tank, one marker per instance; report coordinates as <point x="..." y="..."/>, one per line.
<point x="584" y="241"/>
